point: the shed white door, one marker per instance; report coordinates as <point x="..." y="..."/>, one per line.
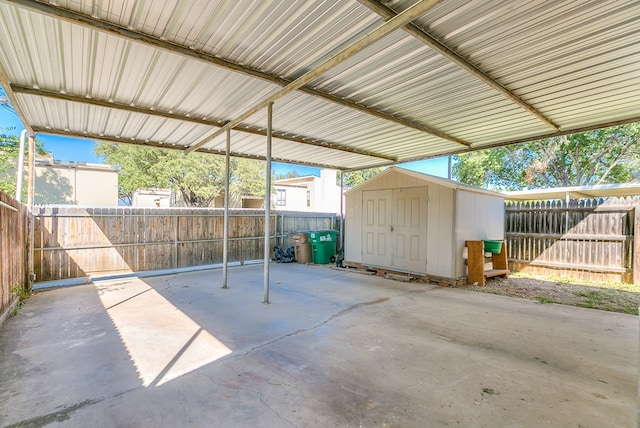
<point x="376" y="227"/>
<point x="395" y="229"/>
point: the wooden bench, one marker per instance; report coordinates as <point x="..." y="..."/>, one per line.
<point x="475" y="263"/>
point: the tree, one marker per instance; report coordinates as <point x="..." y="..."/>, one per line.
<point x="248" y="178"/>
<point x="4" y="101"/>
<point x="290" y="174"/>
<point x="610" y="155"/>
<point x="198" y="177"/>
<point x="9" y="153"/>
<point x="352" y="179"/>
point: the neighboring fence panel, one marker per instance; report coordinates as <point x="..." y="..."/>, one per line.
<point x="585" y="239"/>
<point x="73" y="242"/>
<point x="13" y="228"/>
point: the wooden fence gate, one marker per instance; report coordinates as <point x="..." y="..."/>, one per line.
<point x="592" y="239"/>
<point x="73" y="242"/>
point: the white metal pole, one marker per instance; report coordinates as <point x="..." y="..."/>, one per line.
<point x="267" y="206"/>
<point x="31" y="160"/>
<point x="23" y="137"/>
<point x="225" y="238"/>
<point x="342" y="213"/>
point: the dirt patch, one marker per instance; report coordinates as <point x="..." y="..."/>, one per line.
<point x="608" y="297"/>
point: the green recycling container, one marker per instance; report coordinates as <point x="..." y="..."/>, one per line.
<point x="494" y="247"/>
<point x="323" y="245"/>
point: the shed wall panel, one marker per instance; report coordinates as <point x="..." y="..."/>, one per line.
<point x="440" y="232"/>
<point x="478" y="217"/>
<point x="353" y="227"/>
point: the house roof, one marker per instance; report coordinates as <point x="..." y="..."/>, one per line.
<point x="296" y="181"/>
<point x="50" y="163"/>
<point x="577" y="192"/>
<point x="355" y="84"/>
<point x="427" y="179"/>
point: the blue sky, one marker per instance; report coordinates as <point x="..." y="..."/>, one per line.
<point x="81" y="150"/>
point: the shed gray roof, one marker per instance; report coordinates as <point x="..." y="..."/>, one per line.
<point x="427" y="179"/>
<point x="464" y="75"/>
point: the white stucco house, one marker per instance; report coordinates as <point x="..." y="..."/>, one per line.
<point x="308" y="193"/>
<point x="75" y="183"/>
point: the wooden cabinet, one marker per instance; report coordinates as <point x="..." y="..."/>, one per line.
<point x="476" y="272"/>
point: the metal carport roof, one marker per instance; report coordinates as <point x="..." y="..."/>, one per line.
<point x="576" y="192"/>
<point x="464" y="75"/>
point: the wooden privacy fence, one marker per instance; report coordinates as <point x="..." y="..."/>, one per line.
<point x="73" y="242"/>
<point x="13" y="250"/>
<point x="593" y="239"/>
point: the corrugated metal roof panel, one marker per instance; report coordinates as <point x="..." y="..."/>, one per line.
<point x="574" y="63"/>
<point x="91" y="120"/>
<point x="548" y="44"/>
<point x="280" y="37"/>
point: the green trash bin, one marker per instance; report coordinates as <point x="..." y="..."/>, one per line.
<point x="323" y="245"/>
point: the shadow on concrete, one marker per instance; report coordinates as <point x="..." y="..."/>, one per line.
<point x="334" y="348"/>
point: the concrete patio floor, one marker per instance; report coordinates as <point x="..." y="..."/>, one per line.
<point x="335" y="348"/>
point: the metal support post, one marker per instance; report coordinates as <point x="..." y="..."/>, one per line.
<point x="31" y="160"/>
<point x="342" y="212"/>
<point x="225" y="238"/>
<point x="267" y="205"/>
<point x="23" y="137"/>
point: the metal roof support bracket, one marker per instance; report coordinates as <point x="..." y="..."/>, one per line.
<point x="435" y="44"/>
<point x="18" y="89"/>
<point x="149" y="143"/>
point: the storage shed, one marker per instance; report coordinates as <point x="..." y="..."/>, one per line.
<point x="411" y="222"/>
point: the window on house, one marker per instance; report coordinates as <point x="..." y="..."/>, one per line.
<point x="308" y="198"/>
<point x="281" y="197"/>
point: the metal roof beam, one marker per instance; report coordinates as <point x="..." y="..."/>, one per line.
<point x="217" y="123"/>
<point x="4" y="81"/>
<point x="435" y="44"/>
<point x="392" y="24"/>
<point x="156" y="144"/>
<point x="97" y="24"/>
<point x="559" y="133"/>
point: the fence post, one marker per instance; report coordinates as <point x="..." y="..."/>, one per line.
<point x="282" y="234"/>
<point x="175" y="239"/>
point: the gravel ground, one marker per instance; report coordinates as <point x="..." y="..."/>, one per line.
<point x="603" y="296"/>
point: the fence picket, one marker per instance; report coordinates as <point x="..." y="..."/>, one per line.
<point x="74" y="242"/>
<point x="591" y="238"/>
